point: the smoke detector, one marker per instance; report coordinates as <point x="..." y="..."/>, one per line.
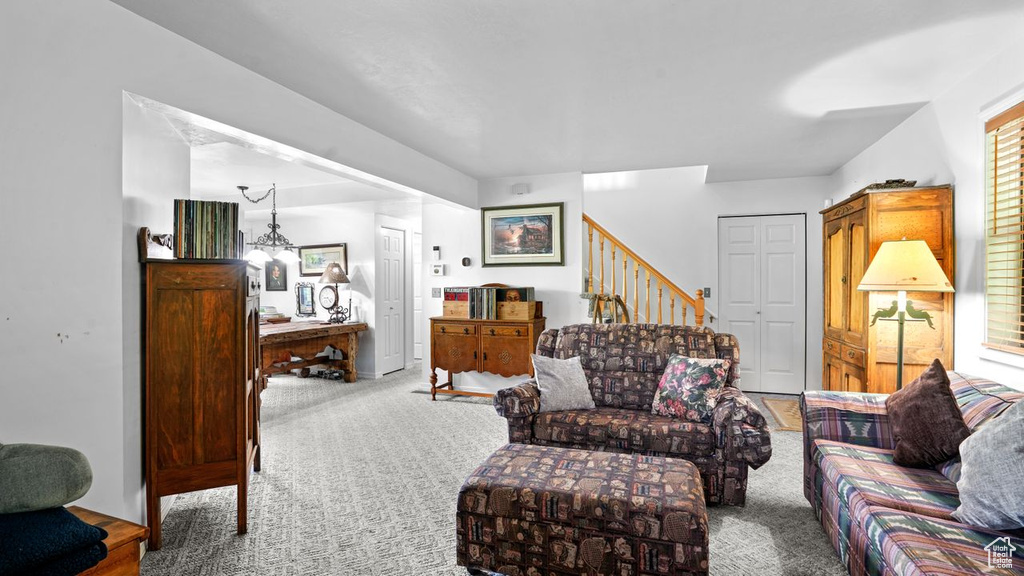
<point x="520" y="189"/>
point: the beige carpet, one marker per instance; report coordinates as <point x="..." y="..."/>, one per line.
<point x="361" y="479"/>
<point x="786" y="413"/>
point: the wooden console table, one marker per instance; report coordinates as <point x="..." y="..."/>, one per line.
<point x="282" y="342"/>
<point x="500" y="347"/>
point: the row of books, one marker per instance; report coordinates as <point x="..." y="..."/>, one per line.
<point x="482" y="303"/>
<point x="511" y="294"/>
<point x="206" y="229"/>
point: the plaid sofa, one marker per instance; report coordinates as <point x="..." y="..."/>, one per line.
<point x="624" y="364"/>
<point x="883" y="518"/>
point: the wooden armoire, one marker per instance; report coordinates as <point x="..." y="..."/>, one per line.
<point x="857" y="356"/>
<point x="202" y="377"/>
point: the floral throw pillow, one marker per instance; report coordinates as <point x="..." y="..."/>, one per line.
<point x="690" y="387"/>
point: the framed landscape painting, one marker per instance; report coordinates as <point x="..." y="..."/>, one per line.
<point x="313" y="260"/>
<point x="530" y="235"/>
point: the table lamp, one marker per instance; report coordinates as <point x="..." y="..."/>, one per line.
<point x="329" y="298"/>
<point x="902" y="265"/>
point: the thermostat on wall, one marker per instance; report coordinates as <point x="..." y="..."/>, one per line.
<point x="437" y="269"/>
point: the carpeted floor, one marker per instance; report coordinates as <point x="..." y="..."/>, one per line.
<point x="361" y="479"/>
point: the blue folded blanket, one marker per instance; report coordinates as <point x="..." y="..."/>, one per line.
<point x="48" y="542"/>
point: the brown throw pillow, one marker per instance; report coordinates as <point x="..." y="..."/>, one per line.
<point x="927" y="425"/>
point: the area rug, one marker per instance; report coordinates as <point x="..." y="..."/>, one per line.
<point x="786" y="413"/>
<point x="361" y="479"/>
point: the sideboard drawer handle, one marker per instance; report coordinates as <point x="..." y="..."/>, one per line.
<point x="442" y="330"/>
<point x="492" y="331"/>
<point x="850" y="353"/>
<point x="465" y="330"/>
<point x="519" y="332"/>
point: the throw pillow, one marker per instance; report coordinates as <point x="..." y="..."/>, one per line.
<point x="992" y="466"/>
<point x="690" y="387"/>
<point x="927" y="425"/>
<point x="562" y="384"/>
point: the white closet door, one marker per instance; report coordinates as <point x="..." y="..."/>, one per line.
<point x="739" y="255"/>
<point x="762" y="282"/>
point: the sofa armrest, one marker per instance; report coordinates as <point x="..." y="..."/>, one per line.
<point x="518" y="401"/>
<point x="741" y="431"/>
<point x="849" y="417"/>
<point x="546" y="342"/>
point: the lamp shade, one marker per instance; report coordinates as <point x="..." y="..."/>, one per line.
<point x="904" y="265"/>
<point x="334" y="274"/>
<point x="287" y="256"/>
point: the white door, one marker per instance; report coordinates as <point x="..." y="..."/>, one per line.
<point x="391" y="332"/>
<point x="417" y="295"/>
<point x="763" y="283"/>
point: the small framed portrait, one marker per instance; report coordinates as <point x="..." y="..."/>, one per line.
<point x="313" y="260"/>
<point x="530" y="235"/>
<point x="277" y="276"/>
<point x="304" y="304"/>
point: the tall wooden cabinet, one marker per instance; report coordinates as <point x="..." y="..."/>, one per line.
<point x="202" y="373"/>
<point x="856" y="356"/>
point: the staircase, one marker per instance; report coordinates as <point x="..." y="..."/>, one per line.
<point x="639" y="295"/>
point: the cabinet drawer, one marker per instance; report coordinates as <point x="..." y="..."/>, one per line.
<point x="852" y="355"/>
<point x="506" y="331"/>
<point x="464" y="329"/>
<point x="830" y="346"/>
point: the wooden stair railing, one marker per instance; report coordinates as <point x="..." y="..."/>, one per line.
<point x="639" y="265"/>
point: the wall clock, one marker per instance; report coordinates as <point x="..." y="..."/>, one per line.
<point x="329" y="297"/>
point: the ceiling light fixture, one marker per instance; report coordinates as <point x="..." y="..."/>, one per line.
<point x="273" y="240"/>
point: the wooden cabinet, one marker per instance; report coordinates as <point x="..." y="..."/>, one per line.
<point x="500" y="347"/>
<point x="857" y="356"/>
<point x="201" y="380"/>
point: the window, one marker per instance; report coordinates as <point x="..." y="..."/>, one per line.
<point x="1004" y="235"/>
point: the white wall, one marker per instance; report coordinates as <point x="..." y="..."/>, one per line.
<point x="63" y="341"/>
<point x="155" y="172"/>
<point x="944" y="143"/>
<point x="669" y="217"/>
<point x="457" y="231"/>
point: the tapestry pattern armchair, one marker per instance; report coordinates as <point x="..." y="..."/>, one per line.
<point x="624" y="364"/>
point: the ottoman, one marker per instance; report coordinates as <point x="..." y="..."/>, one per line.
<point x="541" y="510"/>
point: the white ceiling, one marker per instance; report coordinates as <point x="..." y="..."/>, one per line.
<point x="217" y="168"/>
<point x="752" y="89"/>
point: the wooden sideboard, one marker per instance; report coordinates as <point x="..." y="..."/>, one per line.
<point x="859" y="357"/>
<point x="500" y="347"/>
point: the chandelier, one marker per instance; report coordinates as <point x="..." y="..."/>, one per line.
<point x="273" y="240"/>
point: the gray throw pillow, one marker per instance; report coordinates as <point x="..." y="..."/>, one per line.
<point x="992" y="466"/>
<point x="562" y="384"/>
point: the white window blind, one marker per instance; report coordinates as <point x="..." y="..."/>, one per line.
<point x="1004" y="237"/>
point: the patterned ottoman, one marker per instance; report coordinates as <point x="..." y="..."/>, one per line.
<point x="541" y="510"/>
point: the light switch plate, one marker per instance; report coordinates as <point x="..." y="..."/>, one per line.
<point x="437" y="269"/>
<point x="707" y="292"/>
<point x="435" y="292"/>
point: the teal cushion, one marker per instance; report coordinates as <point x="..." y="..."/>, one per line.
<point x="37" y="477"/>
<point x="991" y="471"/>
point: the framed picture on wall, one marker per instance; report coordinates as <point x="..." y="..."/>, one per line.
<point x="529" y="235"/>
<point x="313" y="260"/>
<point x="277" y="276"/>
<point x="304" y="305"/>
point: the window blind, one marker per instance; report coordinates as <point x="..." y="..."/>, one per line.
<point x="1004" y="237"/>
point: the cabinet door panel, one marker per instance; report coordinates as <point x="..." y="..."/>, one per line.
<point x="856" y="320"/>
<point x="832" y="373"/>
<point x="455" y="352"/>
<point x="220" y="393"/>
<point x="507" y="356"/>
<point x="835" y="274"/>
<point x="170" y="413"/>
<point x="853" y="379"/>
